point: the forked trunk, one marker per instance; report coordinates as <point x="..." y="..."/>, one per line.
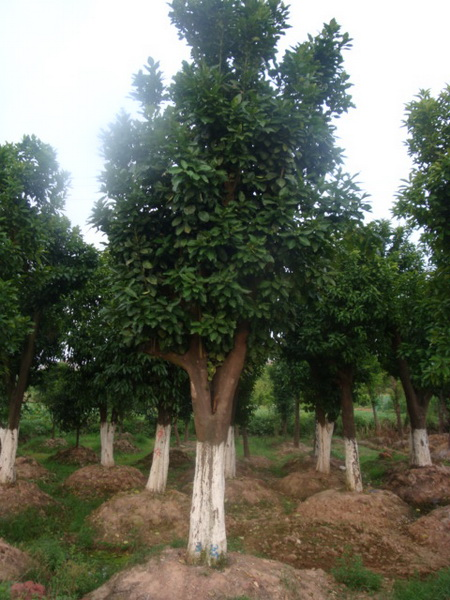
<point x="324" y="435"/>
<point x="352" y="466"/>
<point x="157" y="480"/>
<point x="207" y="535"/>
<point x="107" y="431"/>
<point x="10" y="438"/>
<point x="230" y="454"/>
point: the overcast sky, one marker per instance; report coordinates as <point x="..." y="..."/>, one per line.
<point x="66" y="68"/>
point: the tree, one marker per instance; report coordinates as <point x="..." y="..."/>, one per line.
<point x="213" y="196"/>
<point x="286" y="378"/>
<point x="45" y="259"/>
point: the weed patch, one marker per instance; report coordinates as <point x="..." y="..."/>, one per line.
<point x="350" y="571"/>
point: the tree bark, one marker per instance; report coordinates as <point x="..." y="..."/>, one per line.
<point x="16" y="393"/>
<point x="212" y="401"/>
<point x="297" y="423"/>
<point x="417" y="402"/>
<point x="157" y="480"/>
<point x="230" y="454"/>
<point x="352" y="466"/>
<point x="324" y="433"/>
<point x="397" y="408"/>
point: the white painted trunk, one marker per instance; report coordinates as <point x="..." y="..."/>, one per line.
<point x="157" y="479"/>
<point x="352" y="466"/>
<point x="419" y="448"/>
<point x="10" y="439"/>
<point x="107" y="431"/>
<point x="2" y="435"/>
<point x="207" y="535"/>
<point x="230" y="454"/>
<point x="324" y="435"/>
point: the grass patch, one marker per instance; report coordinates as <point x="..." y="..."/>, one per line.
<point x="434" y="587"/>
<point x="350" y="571"/>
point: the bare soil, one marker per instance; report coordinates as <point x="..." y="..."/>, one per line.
<point x="95" y="480"/>
<point x="76" y="456"/>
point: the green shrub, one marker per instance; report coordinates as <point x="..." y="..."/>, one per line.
<point x="350" y="571"/>
<point x="434" y="587"/>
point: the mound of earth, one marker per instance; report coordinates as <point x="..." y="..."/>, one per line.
<point x="249" y="490"/>
<point x="55" y="443"/>
<point x="440" y="446"/>
<point x="143" y="517"/>
<point x="20" y="496"/>
<point x="373" y="525"/>
<point x="14" y="563"/>
<point x="125" y="446"/>
<point x="96" y="480"/>
<point x="303" y="484"/>
<point x="422" y="486"/>
<point x="177" y="458"/>
<point x="167" y="577"/>
<point x="28" y="468"/>
<point x="433" y="529"/>
<point x="289" y="448"/>
<point x="76" y="456"/>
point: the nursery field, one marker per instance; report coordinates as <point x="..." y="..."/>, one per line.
<point x="69" y="525"/>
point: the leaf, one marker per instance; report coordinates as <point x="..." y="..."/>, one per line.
<point x="203" y="216"/>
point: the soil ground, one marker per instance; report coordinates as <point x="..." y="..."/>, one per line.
<point x="287" y="525"/>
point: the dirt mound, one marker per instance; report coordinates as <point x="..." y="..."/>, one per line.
<point x="167" y="577"/>
<point x="177" y="458"/>
<point x="439" y="446"/>
<point x="96" y="480"/>
<point x="422" y="486"/>
<point x="125" y="446"/>
<point x="76" y="456"/>
<point x="303" y="484"/>
<point x="13" y="562"/>
<point x="373" y="525"/>
<point x="433" y="529"/>
<point x="29" y="468"/>
<point x="249" y="490"/>
<point x="142" y="517"/>
<point x="20" y="496"/>
<point x="55" y="443"/>
<point x="289" y="448"/>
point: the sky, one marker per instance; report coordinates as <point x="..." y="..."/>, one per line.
<point x="66" y="69"/>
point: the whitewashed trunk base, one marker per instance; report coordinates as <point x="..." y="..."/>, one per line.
<point x="207" y="536"/>
<point x="107" y="431"/>
<point x="157" y="479"/>
<point x="419" y="448"/>
<point x="10" y="439"/>
<point x="230" y="455"/>
<point x="324" y="435"/>
<point x="352" y="466"/>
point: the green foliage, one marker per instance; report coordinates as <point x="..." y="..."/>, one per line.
<point x="350" y="570"/>
<point x="436" y="586"/>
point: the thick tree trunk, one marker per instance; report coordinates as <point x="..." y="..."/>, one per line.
<point x="107" y="431"/>
<point x="207" y="535"/>
<point x="245" y="444"/>
<point x="417" y="404"/>
<point x="352" y="466"/>
<point x="16" y="392"/>
<point x="230" y="454"/>
<point x="157" y="480"/>
<point x="297" y="423"/>
<point x="324" y="435"/>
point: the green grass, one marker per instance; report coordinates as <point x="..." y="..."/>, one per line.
<point x="350" y="571"/>
<point x="434" y="587"/>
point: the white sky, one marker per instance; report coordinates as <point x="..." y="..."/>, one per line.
<point x="66" y="68"/>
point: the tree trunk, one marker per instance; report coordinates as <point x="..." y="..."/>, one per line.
<point x="212" y="401"/>
<point x="16" y="392"/>
<point x="157" y="480"/>
<point x="417" y="404"/>
<point x="397" y="408"/>
<point x="375" y="416"/>
<point x="177" y="433"/>
<point x="230" y="454"/>
<point x="297" y="423"/>
<point x="324" y="433"/>
<point x="352" y="466"/>
<point x="107" y="431"/>
<point x="207" y="535"/>
<point x="245" y="443"/>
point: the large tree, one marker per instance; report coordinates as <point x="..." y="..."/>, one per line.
<point x="44" y="261"/>
<point x="213" y="197"/>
